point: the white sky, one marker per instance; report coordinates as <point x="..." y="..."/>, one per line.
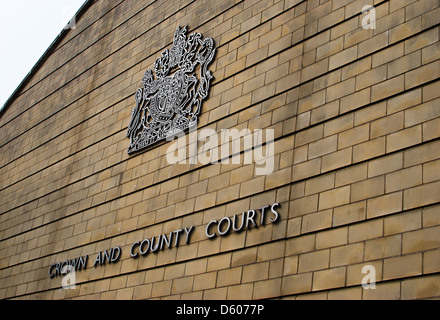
<point x="27" y="29"/>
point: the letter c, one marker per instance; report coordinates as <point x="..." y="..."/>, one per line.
<point x="207" y="229"/>
<point x="134" y="255"/>
<point x="141" y="251"/>
<point x="50" y="271"/>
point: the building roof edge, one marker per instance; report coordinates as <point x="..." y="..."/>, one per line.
<point x="43" y="58"/>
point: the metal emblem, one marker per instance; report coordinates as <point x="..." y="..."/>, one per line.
<point x="169" y="104"/>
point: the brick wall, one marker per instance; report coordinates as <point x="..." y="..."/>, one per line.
<point x="356" y="120"/>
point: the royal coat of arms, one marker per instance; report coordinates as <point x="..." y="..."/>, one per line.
<point x="169" y="104"/>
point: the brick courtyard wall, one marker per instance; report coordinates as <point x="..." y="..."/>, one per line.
<point x="356" y="120"/>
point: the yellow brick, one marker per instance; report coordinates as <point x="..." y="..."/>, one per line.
<point x="255" y="272"/>
<point x="357" y="67"/>
<point x="353" y="136"/>
<point x="314" y="70"/>
<point x="418" y="8"/>
<point x="340" y="90"/>
<point x="355" y="100"/>
<point x="162" y="288"/>
<point x="348" y="254"/>
<point x="384" y="205"/>
<point x="339" y="124"/>
<point x="280" y="44"/>
<point x="404" y="138"/>
<point x="267" y="289"/>
<point x="373" y="44"/>
<point x="389" y="54"/>
<point x="311" y="102"/>
<point x="404" y="64"/>
<point x="402" y="222"/>
<point x="215" y="294"/>
<point x="387" y="88"/>
<point x="124" y="294"/>
<point x="420" y="154"/>
<point x="243" y="257"/>
<point x="364" y="231"/>
<point x="337" y="159"/>
<point x="229" y="277"/>
<point x="278" y="178"/>
<point x="356" y="36"/>
<point x="383" y="247"/>
<point x="290" y="265"/>
<point x="370" y="113"/>
<point x="383" y="291"/>
<point x="422" y="113"/>
<point x="324" y="112"/>
<point x="321" y="183"/>
<point x="331" y="19"/>
<point x="420" y="240"/>
<point x="218" y="182"/>
<point x="240" y="292"/>
<point x="403" y="179"/>
<point x="334" y="198"/>
<point x="314" y="261"/>
<point x="323" y="146"/>
<point x="431" y="261"/>
<point x="345" y="294"/>
<point x="421" y="288"/>
<point x="219" y="262"/>
<point x="371" y="77"/>
<point x="430" y="216"/>
<point x="367" y="188"/>
<point x="387" y="125"/>
<point x="431" y="91"/>
<point x="343" y="57"/>
<point x="404" y="101"/>
<point x="309" y="135"/>
<point x="195" y="267"/>
<point x="301" y="244"/>
<point x="205" y="201"/>
<point x="182" y="285"/>
<point x="252" y="186"/>
<point x="242" y="174"/>
<point x="385" y="164"/>
<point x="296" y="284"/>
<point x="431" y="171"/>
<point x="405" y="30"/>
<point x="328" y="279"/>
<point x="422" y="195"/>
<point x="351" y="174"/>
<point x="431" y="129"/>
<point x="329" y="48"/>
<point x="422" y="75"/>
<point x="349" y="213"/>
<point x="270" y="251"/>
<point x="317" y="221"/>
<point x="306" y="169"/>
<point x="228" y="194"/>
<point x="404" y="266"/>
<point x="204" y="281"/>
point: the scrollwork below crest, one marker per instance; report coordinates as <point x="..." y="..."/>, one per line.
<point x="169" y="104"/>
